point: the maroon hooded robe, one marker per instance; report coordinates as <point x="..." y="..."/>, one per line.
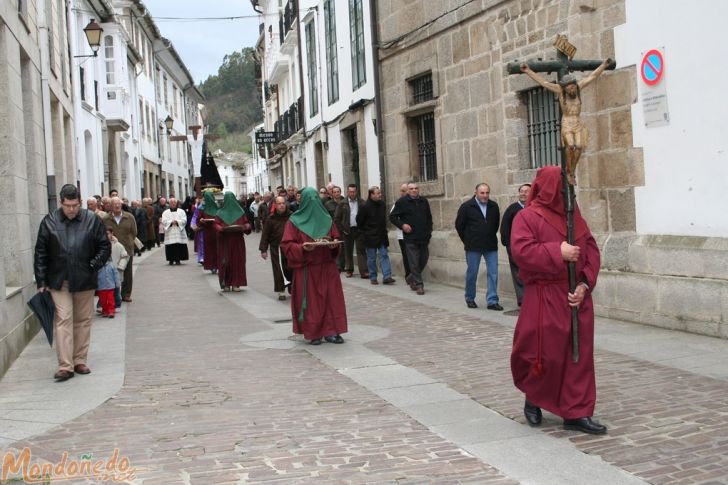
<point x="541" y="361"/>
<point x="231" y="252"/>
<point x="325" y="314"/>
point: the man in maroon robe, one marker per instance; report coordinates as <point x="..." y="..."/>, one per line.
<point x="541" y="358"/>
<point x="317" y="301"/>
<point x="231" y="223"/>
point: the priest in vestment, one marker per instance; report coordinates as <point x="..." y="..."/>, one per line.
<point x="541" y="358"/>
<point x="231" y="223"/>
<point x="174" y="220"/>
<point x="206" y="222"/>
<point x="317" y="301"/>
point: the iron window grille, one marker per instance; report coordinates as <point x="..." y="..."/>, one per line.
<point x="422" y="88"/>
<point x="426" y="146"/>
<point x="544" y="115"/>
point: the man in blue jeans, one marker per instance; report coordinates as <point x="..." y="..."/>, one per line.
<point x="477" y="225"/>
<point x="372" y="222"/>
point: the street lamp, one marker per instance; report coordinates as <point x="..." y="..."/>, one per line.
<point x="169" y="123"/>
<point x="93" y="37"/>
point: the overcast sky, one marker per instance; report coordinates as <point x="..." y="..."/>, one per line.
<point x="203" y="44"/>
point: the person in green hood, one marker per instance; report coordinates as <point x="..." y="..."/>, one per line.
<point x="311" y="245"/>
<point x="231" y="222"/>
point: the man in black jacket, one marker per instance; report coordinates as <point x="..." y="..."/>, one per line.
<point x="71" y="247"/>
<point x="372" y="222"/>
<point x="412" y="214"/>
<point x="477" y="225"/>
<point x="505" y="231"/>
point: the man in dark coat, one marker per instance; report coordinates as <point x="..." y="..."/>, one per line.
<point x="477" y="225"/>
<point x="70" y="249"/>
<point x="413" y="216"/>
<point x="140" y="216"/>
<point x="505" y="232"/>
<point x="345" y="220"/>
<point x="372" y="222"/>
<point x="270" y="240"/>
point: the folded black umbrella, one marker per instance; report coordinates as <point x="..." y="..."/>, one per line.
<point x="44" y="308"/>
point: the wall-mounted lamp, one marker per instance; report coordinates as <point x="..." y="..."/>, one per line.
<point x="169" y="123"/>
<point x="93" y="33"/>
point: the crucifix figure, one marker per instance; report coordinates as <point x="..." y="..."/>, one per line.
<point x="574" y="135"/>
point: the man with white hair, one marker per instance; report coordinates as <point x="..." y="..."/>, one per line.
<point x="174" y="221"/>
<point x="93" y="206"/>
<point x="125" y="229"/>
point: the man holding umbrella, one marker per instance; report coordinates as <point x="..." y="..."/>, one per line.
<point x="71" y="247"/>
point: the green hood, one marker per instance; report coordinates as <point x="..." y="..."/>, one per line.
<point x="210" y="204"/>
<point x="230" y="210"/>
<point x="311" y="218"/>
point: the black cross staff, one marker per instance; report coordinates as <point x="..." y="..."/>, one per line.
<point x="562" y="66"/>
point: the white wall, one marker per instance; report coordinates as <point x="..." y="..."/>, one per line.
<point x="686" y="162"/>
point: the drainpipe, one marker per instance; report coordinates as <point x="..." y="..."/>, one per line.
<point x="377" y="96"/>
<point x="43" y="35"/>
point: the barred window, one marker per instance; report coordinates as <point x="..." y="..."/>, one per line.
<point x="424" y="125"/>
<point x="421" y="88"/>
<point x="332" y="60"/>
<point x="544" y="115"/>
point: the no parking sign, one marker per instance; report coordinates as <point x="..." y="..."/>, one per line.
<point x="654" y="93"/>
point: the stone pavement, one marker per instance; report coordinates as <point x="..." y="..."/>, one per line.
<point x="217" y="390"/>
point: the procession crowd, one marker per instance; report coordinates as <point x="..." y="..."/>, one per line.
<point x="310" y="237"/>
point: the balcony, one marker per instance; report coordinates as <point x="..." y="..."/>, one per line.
<point x="291" y="121"/>
<point x="287" y="20"/>
<point x="115" y="107"/>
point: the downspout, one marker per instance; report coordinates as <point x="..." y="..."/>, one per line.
<point x="46" y="102"/>
<point x="377" y="97"/>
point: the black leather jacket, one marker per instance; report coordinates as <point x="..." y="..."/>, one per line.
<point x="70" y="249"/>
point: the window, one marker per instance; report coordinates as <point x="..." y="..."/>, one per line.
<point x="356" y="27"/>
<point x="141" y="117"/>
<point x="158" y="89"/>
<point x="23" y="8"/>
<point x="544" y="126"/>
<point x="82" y="82"/>
<point x="421" y="87"/>
<point x="424" y="125"/>
<point x="173" y="108"/>
<point x="164" y="88"/>
<point x="312" y="78"/>
<point x="332" y="61"/>
<point x="109" y="56"/>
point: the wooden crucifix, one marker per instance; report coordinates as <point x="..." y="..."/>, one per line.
<point x="574" y="135"/>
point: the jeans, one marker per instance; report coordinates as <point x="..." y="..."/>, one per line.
<point x="471" y="275"/>
<point x="383" y="259"/>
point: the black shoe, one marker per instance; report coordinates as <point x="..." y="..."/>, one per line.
<point x="389" y="281"/>
<point x="532" y="413"/>
<point x="471" y="304"/>
<point x="585" y="425"/>
<point x="62" y="375"/>
<point x="334" y="339"/>
<point x="496" y="307"/>
<point x="316" y="341"/>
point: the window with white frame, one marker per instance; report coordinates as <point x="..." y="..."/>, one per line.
<point x="109" y="63"/>
<point x="332" y="59"/>
<point x="358" y="56"/>
<point x="312" y="78"/>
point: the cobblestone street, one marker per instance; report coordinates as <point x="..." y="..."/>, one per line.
<point x="217" y="390"/>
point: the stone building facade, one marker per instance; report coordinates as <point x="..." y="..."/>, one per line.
<point x="475" y="123"/>
<point x="36" y="149"/>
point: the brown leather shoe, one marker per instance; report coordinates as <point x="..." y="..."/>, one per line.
<point x="126" y="299"/>
<point x="420" y="291"/>
<point x="81" y="369"/>
<point x="62" y="375"/>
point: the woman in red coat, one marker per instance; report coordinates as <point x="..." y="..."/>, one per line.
<point x="231" y="224"/>
<point x="317" y="299"/>
<point x="541" y="361"/>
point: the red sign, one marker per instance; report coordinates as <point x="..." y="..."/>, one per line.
<point x="653" y="67"/>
